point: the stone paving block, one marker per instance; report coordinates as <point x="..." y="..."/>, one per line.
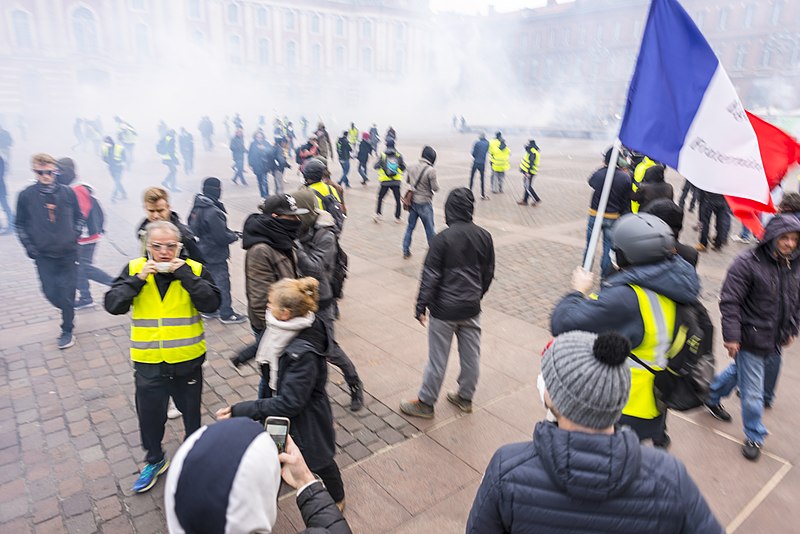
<point x="13" y="508"/>
<point x="76" y="504"/>
<point x="81" y="524"/>
<point x="117" y="525"/>
<point x="51" y="526"/>
<point x="45" y="509"/>
<point x="357" y="451"/>
<point x="391" y="436"/>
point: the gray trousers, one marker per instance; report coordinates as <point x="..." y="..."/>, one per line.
<point x="278" y="177"/>
<point x="440" y="337"/>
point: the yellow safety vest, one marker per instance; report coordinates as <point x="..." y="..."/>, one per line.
<point x="169" y="155"/>
<point x="352" y="136"/>
<point x="383" y="177"/>
<point x="324" y="190"/>
<point x="499" y="158"/>
<point x="118" y="149"/>
<point x="638" y="176"/>
<point x="659" y="344"/>
<point x="169" y="330"/>
<point x="526" y="166"/>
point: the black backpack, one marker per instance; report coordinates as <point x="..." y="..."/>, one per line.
<point x="339" y="270"/>
<point x="96" y="219"/>
<point x="391" y="164"/>
<point x="332" y="205"/>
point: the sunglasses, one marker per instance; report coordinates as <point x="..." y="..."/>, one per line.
<point x="158" y="247"/>
<point x="45" y="173"/>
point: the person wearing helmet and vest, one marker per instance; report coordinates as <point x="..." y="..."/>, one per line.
<point x="499" y="154"/>
<point x="639" y="170"/>
<point x="529" y="167"/>
<point x="168" y="344"/>
<point x="640" y="300"/>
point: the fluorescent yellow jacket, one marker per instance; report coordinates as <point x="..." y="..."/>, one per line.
<point x="324" y="190"/>
<point x="352" y="136"/>
<point x="499" y="158"/>
<point x="117" y="156"/>
<point x="528" y="167"/>
<point x="383" y="177"/>
<point x="638" y="176"/>
<point x="169" y="330"/>
<point x="659" y="344"/>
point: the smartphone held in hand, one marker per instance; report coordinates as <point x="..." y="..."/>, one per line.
<point x="278" y="429"/>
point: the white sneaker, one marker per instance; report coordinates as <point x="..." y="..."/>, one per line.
<point x="377" y="218"/>
<point x="739" y="239"/>
<point x="172" y="411"/>
<point x="398" y="220"/>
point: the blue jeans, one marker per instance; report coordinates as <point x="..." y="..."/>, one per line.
<point x="748" y="371"/>
<point x="423" y="212"/>
<point x="345" y="169"/>
<point x="608" y="243"/>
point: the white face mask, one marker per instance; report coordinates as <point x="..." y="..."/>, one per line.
<point x="542" y="388"/>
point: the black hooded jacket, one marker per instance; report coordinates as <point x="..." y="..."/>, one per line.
<point x="49" y="223"/>
<point x="301" y="396"/>
<point x="208" y="221"/>
<point x="760" y="298"/>
<point x="653" y="187"/>
<point x="459" y="266"/>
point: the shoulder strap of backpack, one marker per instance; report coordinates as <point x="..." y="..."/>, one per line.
<point x="641" y="362"/>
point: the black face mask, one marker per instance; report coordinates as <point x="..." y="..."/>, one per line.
<point x="282" y="232"/>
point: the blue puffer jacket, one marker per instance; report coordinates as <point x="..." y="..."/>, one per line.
<point x="571" y="482"/>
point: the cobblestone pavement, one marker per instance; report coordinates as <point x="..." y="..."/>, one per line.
<point x="69" y="442"/>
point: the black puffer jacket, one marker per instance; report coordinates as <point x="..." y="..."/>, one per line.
<point x="459" y="266"/>
<point x="571" y="482"/>
<point x="302" y="374"/>
<point x="760" y="299"/>
<point x="209" y="222"/>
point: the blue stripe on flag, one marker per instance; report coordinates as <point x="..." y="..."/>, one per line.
<point x="673" y="71"/>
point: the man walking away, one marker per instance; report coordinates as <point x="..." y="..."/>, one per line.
<point x="258" y="157"/>
<point x="186" y="143"/>
<point x="529" y="166"/>
<point x="278" y="164"/>
<point x="653" y="187"/>
<point x="716" y="205"/>
<point x="364" y="150"/>
<point x="9" y="229"/>
<point x="374" y="137"/>
<point x="457" y="274"/>
<point x="343" y="150"/>
<point x="208" y="221"/>
<point x="422" y="179"/>
<point x="760" y="307"/>
<point x="166" y="149"/>
<point x="581" y="473"/>
<point x="92" y="231"/>
<point x="499" y="155"/>
<point x="206" y="128"/>
<point x="114" y="155"/>
<point x="48" y="224"/>
<point x="390" y="175"/>
<point x="237" y="151"/>
<point x="168" y="343"/>
<point x="479" y="150"/>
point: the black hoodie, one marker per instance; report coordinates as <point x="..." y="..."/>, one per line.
<point x="209" y="222"/>
<point x="459" y="266"/>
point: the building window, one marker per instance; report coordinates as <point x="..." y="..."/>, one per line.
<point x="401" y="31"/>
<point x="766" y="57"/>
<point x="340" y="26"/>
<point x="262" y="17"/>
<point x="291" y="55"/>
<point x="582" y="35"/>
<point x="235" y="43"/>
<point x="366" y="59"/>
<point x="142" y="36"/>
<point x="233" y="14"/>
<point x="567" y="35"/>
<point x="723" y="18"/>
<point x="194" y="10"/>
<point x="598" y="36"/>
<point x="748" y="16"/>
<point x="289" y="20"/>
<point x="85" y="30"/>
<point x="316" y="56"/>
<point x="263" y="52"/>
<point x="366" y="29"/>
<point x="400" y="62"/>
<point x="315" y="23"/>
<point x="198" y="38"/>
<point x="551" y="38"/>
<point x="741" y="55"/>
<point x="21" y="22"/>
<point x="340" y="57"/>
<point x="138" y="5"/>
<point x="777" y="10"/>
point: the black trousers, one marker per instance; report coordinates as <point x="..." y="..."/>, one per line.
<point x="654" y="429"/>
<point x="338" y="357"/>
<point x="152" y="396"/>
<point x="222" y="279"/>
<point x="395" y="191"/>
<point x="87" y="271"/>
<point x="332" y="478"/>
<point x="688" y="188"/>
<point x="58" y="277"/>
<point x="480" y="168"/>
<point x="719" y="209"/>
<point x="527" y="186"/>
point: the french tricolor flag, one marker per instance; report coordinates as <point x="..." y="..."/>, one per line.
<point x="683" y="110"/>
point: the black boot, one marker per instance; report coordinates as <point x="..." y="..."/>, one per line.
<point x="356" y="396"/>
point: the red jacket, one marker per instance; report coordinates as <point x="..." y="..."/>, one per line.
<point x="84" y="195"/>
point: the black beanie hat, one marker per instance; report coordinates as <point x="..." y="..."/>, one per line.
<point x="66" y="171"/>
<point x="212" y="188"/>
<point x="429" y="154"/>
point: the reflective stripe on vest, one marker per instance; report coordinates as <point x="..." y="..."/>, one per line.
<point x="658" y="316"/>
<point x="638" y="176"/>
<point x="117" y="153"/>
<point x="165" y="330"/>
<point x="525" y="165"/>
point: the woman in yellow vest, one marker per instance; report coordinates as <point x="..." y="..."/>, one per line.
<point x="168" y="344"/>
<point x="640" y="301"/>
<point x="499" y="155"/>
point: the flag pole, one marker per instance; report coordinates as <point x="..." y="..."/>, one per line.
<point x="588" y="260"/>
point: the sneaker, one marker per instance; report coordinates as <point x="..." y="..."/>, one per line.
<point x="233" y="318"/>
<point x="378" y="218"/>
<point x="463" y="404"/>
<point x="484" y="197"/>
<point x="751" y="450"/>
<point x="209" y="316"/>
<point x="356" y="397"/>
<point x="700" y="247"/>
<point x="398" y="220"/>
<point x="417" y="408"/>
<point x="172" y="411"/>
<point x="341" y="505"/>
<point x="83" y="304"/>
<point x="66" y="340"/>
<point x="521" y="203"/>
<point x="663" y="443"/>
<point x="719" y="412"/>
<point x="406" y="255"/>
<point x="740" y="239"/>
<point x="149" y="475"/>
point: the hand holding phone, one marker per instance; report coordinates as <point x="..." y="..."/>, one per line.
<point x="294" y="470"/>
<point x="278" y="429"/>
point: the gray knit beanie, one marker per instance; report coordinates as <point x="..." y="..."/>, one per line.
<point x="587" y="378"/>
